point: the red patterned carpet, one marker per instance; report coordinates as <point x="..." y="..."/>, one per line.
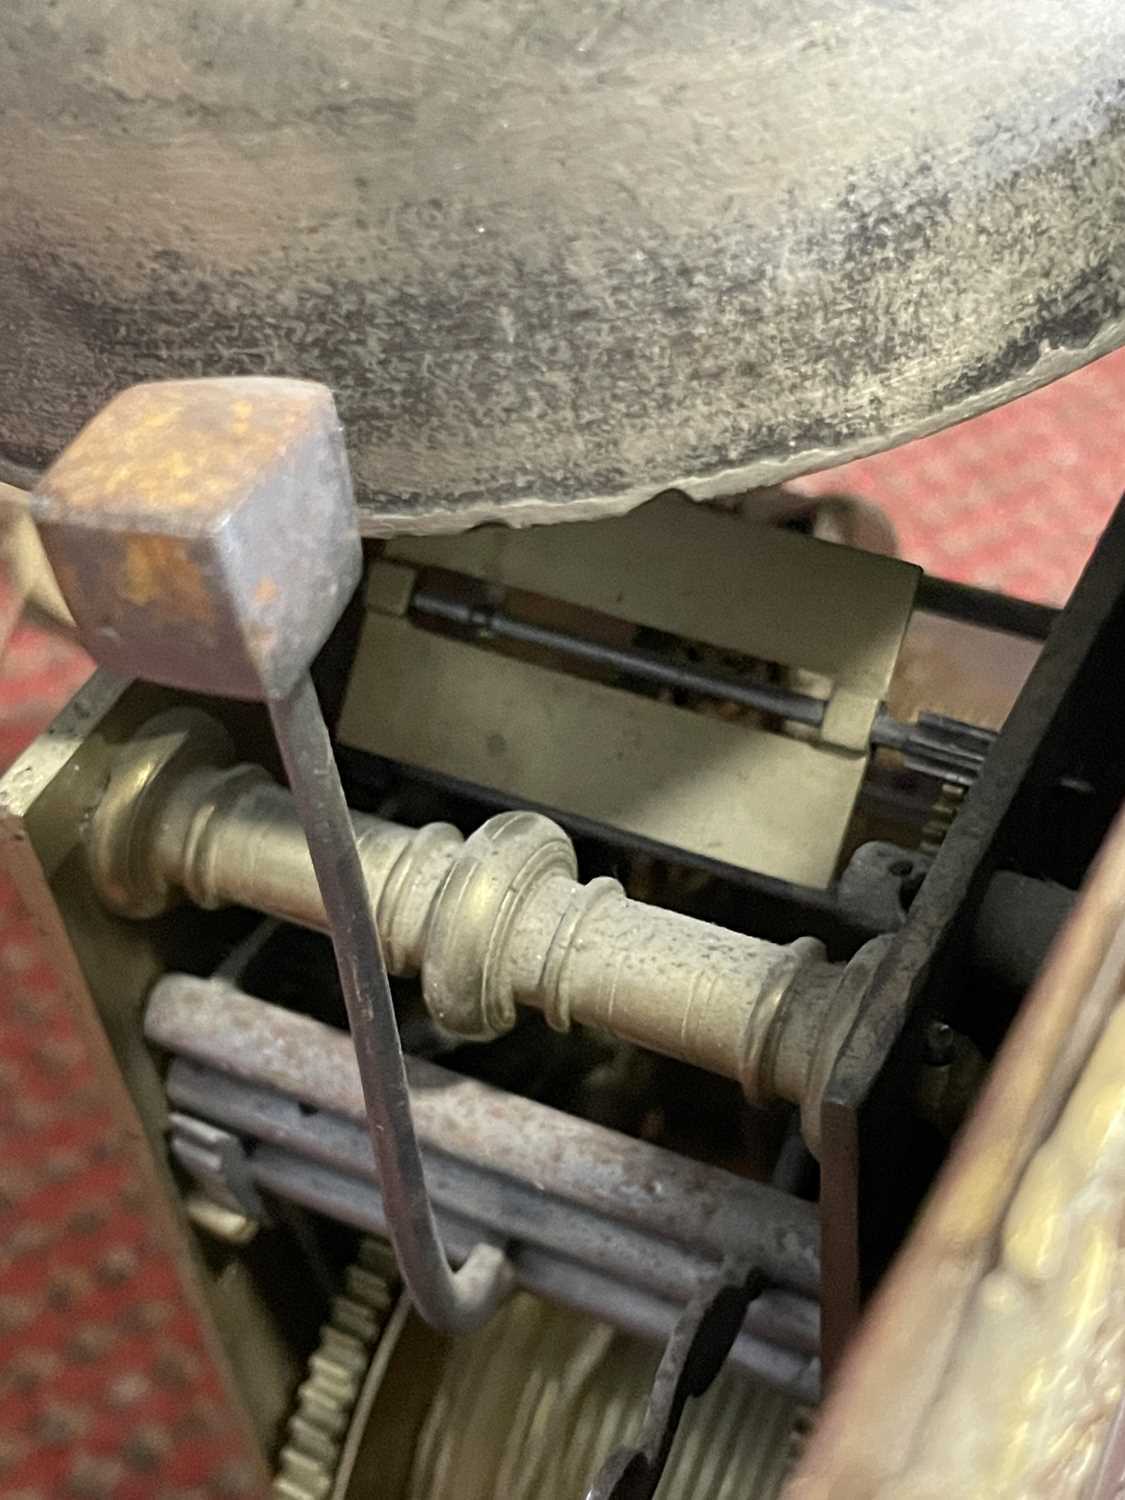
<point x="1015" y="499"/>
<point x="104" y="1391"/>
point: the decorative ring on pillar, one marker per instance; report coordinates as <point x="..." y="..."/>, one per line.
<point x="464" y="973"/>
<point x="552" y="982"/>
<point x="119" y="842"/>
<point x="397" y="922"/>
<point x="225" y="788"/>
<point x="767" y="1017"/>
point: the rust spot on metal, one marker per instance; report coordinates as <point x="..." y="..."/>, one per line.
<point x="160" y="572"/>
<point x="190" y="447"/>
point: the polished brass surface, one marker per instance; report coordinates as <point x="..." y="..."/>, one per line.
<point x="180" y="740"/>
<point x="524" y="1410"/>
<point x="23" y="553"/>
<point x="761" y="591"/>
<point x="490" y="922"/>
<point x="528" y="1407"/>
<point x="225" y="1224"/>
<point x="726" y="790"/>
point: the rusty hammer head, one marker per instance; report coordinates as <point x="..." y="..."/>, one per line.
<point x="203" y="532"/>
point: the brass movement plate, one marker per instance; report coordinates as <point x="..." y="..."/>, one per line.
<point x="725" y="791"/>
<point x="706" y="575"/>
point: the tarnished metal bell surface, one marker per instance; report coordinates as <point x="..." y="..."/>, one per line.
<point x="555" y="257"/>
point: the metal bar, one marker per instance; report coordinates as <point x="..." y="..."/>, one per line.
<point x="484" y="620"/>
<point x="359" y="1204"/>
<point x="974" y="606"/>
<point x="696" y="1351"/>
<point x="1016" y="926"/>
<point x="939" y="746"/>
<point x="865" y="1123"/>
<point x="511" y="1208"/>
<point x="453" y="1303"/>
<point x="935" y="745"/>
<point x="703" y="1208"/>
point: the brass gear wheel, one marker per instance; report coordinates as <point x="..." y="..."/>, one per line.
<point x="945" y="808"/>
<point x="326" y="1399"/>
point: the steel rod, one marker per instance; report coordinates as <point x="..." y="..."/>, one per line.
<point x="960" y="748"/>
<point x="702" y="1208"/>
<point x="360" y="1205"/>
<point x="453" y="1302"/>
<point x="517" y="1210"/>
<point x="976" y="606"/>
<point x="767" y="697"/>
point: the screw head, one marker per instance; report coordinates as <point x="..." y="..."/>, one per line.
<point x="940" y="1044"/>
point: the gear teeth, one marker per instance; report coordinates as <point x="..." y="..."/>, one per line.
<point x="945" y="808"/>
<point x="336" y="1369"/>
